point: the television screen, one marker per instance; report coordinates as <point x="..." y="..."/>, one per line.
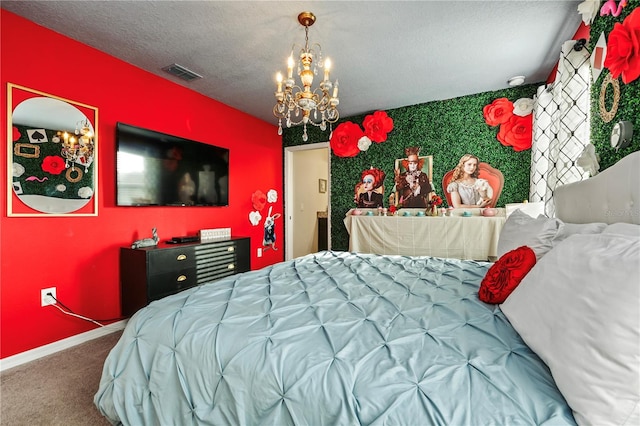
<point x="156" y="169"/>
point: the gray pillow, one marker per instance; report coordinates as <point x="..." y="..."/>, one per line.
<point x="568" y="229"/>
<point x="622" y="228"/>
<point x="520" y="229"/>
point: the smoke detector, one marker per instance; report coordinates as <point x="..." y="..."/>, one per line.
<point x="518" y="80"/>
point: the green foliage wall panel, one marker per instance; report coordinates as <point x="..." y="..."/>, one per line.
<point x="629" y="103"/>
<point x="444" y="129"/>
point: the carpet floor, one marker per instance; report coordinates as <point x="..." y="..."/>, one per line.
<point x="57" y="389"/>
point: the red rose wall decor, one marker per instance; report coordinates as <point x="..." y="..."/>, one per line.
<point x="498" y="111"/>
<point x="516" y="132"/>
<point x="348" y="139"/>
<point x="344" y="140"/>
<point x="258" y="200"/>
<point x="515" y="121"/>
<point x="623" y="49"/>
<point x="377" y="125"/>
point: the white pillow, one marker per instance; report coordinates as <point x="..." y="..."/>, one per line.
<point x="533" y="209"/>
<point x="623" y="229"/>
<point x="568" y="229"/>
<point x="579" y="310"/>
<point x="520" y="229"/>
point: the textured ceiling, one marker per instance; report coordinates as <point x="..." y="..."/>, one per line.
<point x="386" y="54"/>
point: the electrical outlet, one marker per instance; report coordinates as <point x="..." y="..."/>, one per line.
<point x="45" y="299"/>
<point x="260" y="252"/>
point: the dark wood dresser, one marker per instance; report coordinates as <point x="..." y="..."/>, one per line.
<point x="151" y="273"/>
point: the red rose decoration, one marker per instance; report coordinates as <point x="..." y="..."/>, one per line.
<point x="623" y="48"/>
<point x="517" y="132"/>
<point x="53" y="164"/>
<point x="505" y="275"/>
<point x="344" y="140"/>
<point x="377" y="125"/>
<point x="498" y="111"/>
<point x="258" y="199"/>
<point x="16" y="134"/>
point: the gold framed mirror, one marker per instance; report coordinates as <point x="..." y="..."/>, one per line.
<point x="52" y="161"/>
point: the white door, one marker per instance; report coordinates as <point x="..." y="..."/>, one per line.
<point x="305" y="166"/>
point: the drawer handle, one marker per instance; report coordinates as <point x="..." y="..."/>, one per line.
<point x="181" y="257"/>
<point x="181" y="278"/>
<point x="231" y="248"/>
<point x="231" y="266"/>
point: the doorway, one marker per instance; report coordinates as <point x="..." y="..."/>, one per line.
<point x="307" y="190"/>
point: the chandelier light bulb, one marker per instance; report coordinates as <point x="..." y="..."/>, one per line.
<point x="290" y="64"/>
<point x="327" y="68"/>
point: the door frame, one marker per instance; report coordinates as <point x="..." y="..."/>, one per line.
<point x="288" y="194"/>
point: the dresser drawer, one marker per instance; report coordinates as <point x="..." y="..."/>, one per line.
<point x="208" y="251"/>
<point x="212" y="271"/>
<point x="172" y="259"/>
<point x="161" y="285"/>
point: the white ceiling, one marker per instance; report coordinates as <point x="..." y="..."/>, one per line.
<point x="386" y="54"/>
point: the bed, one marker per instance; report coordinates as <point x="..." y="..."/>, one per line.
<point x="337" y="338"/>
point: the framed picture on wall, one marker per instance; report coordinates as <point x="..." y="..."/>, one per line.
<point x="322" y="185"/>
<point x="52" y="155"/>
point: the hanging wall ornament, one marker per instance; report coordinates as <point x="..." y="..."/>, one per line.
<point x="597" y="57"/>
<point x="607" y="115"/>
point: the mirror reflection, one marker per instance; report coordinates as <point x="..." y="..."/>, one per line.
<point x="52" y="155"/>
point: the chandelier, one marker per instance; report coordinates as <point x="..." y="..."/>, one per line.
<point x="305" y="105"/>
<point x="78" y="148"/>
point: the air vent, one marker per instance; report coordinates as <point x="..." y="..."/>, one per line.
<point x="181" y="72"/>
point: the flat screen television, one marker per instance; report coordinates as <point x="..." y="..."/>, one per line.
<point x="156" y="169"/>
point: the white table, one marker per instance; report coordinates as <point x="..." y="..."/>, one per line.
<point x="456" y="236"/>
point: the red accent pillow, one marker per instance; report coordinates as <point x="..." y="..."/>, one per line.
<point x="505" y="275"/>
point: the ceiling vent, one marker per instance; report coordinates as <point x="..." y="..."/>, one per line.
<point x="181" y="72"/>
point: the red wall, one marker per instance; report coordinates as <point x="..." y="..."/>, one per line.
<point x="79" y="255"/>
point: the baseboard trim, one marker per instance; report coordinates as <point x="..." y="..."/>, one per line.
<point x="60" y="345"/>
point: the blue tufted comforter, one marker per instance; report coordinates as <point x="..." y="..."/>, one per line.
<point x="330" y="339"/>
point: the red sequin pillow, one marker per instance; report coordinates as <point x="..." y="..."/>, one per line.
<point x="505" y="275"/>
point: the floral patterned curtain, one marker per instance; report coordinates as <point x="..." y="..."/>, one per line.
<point x="560" y="126"/>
